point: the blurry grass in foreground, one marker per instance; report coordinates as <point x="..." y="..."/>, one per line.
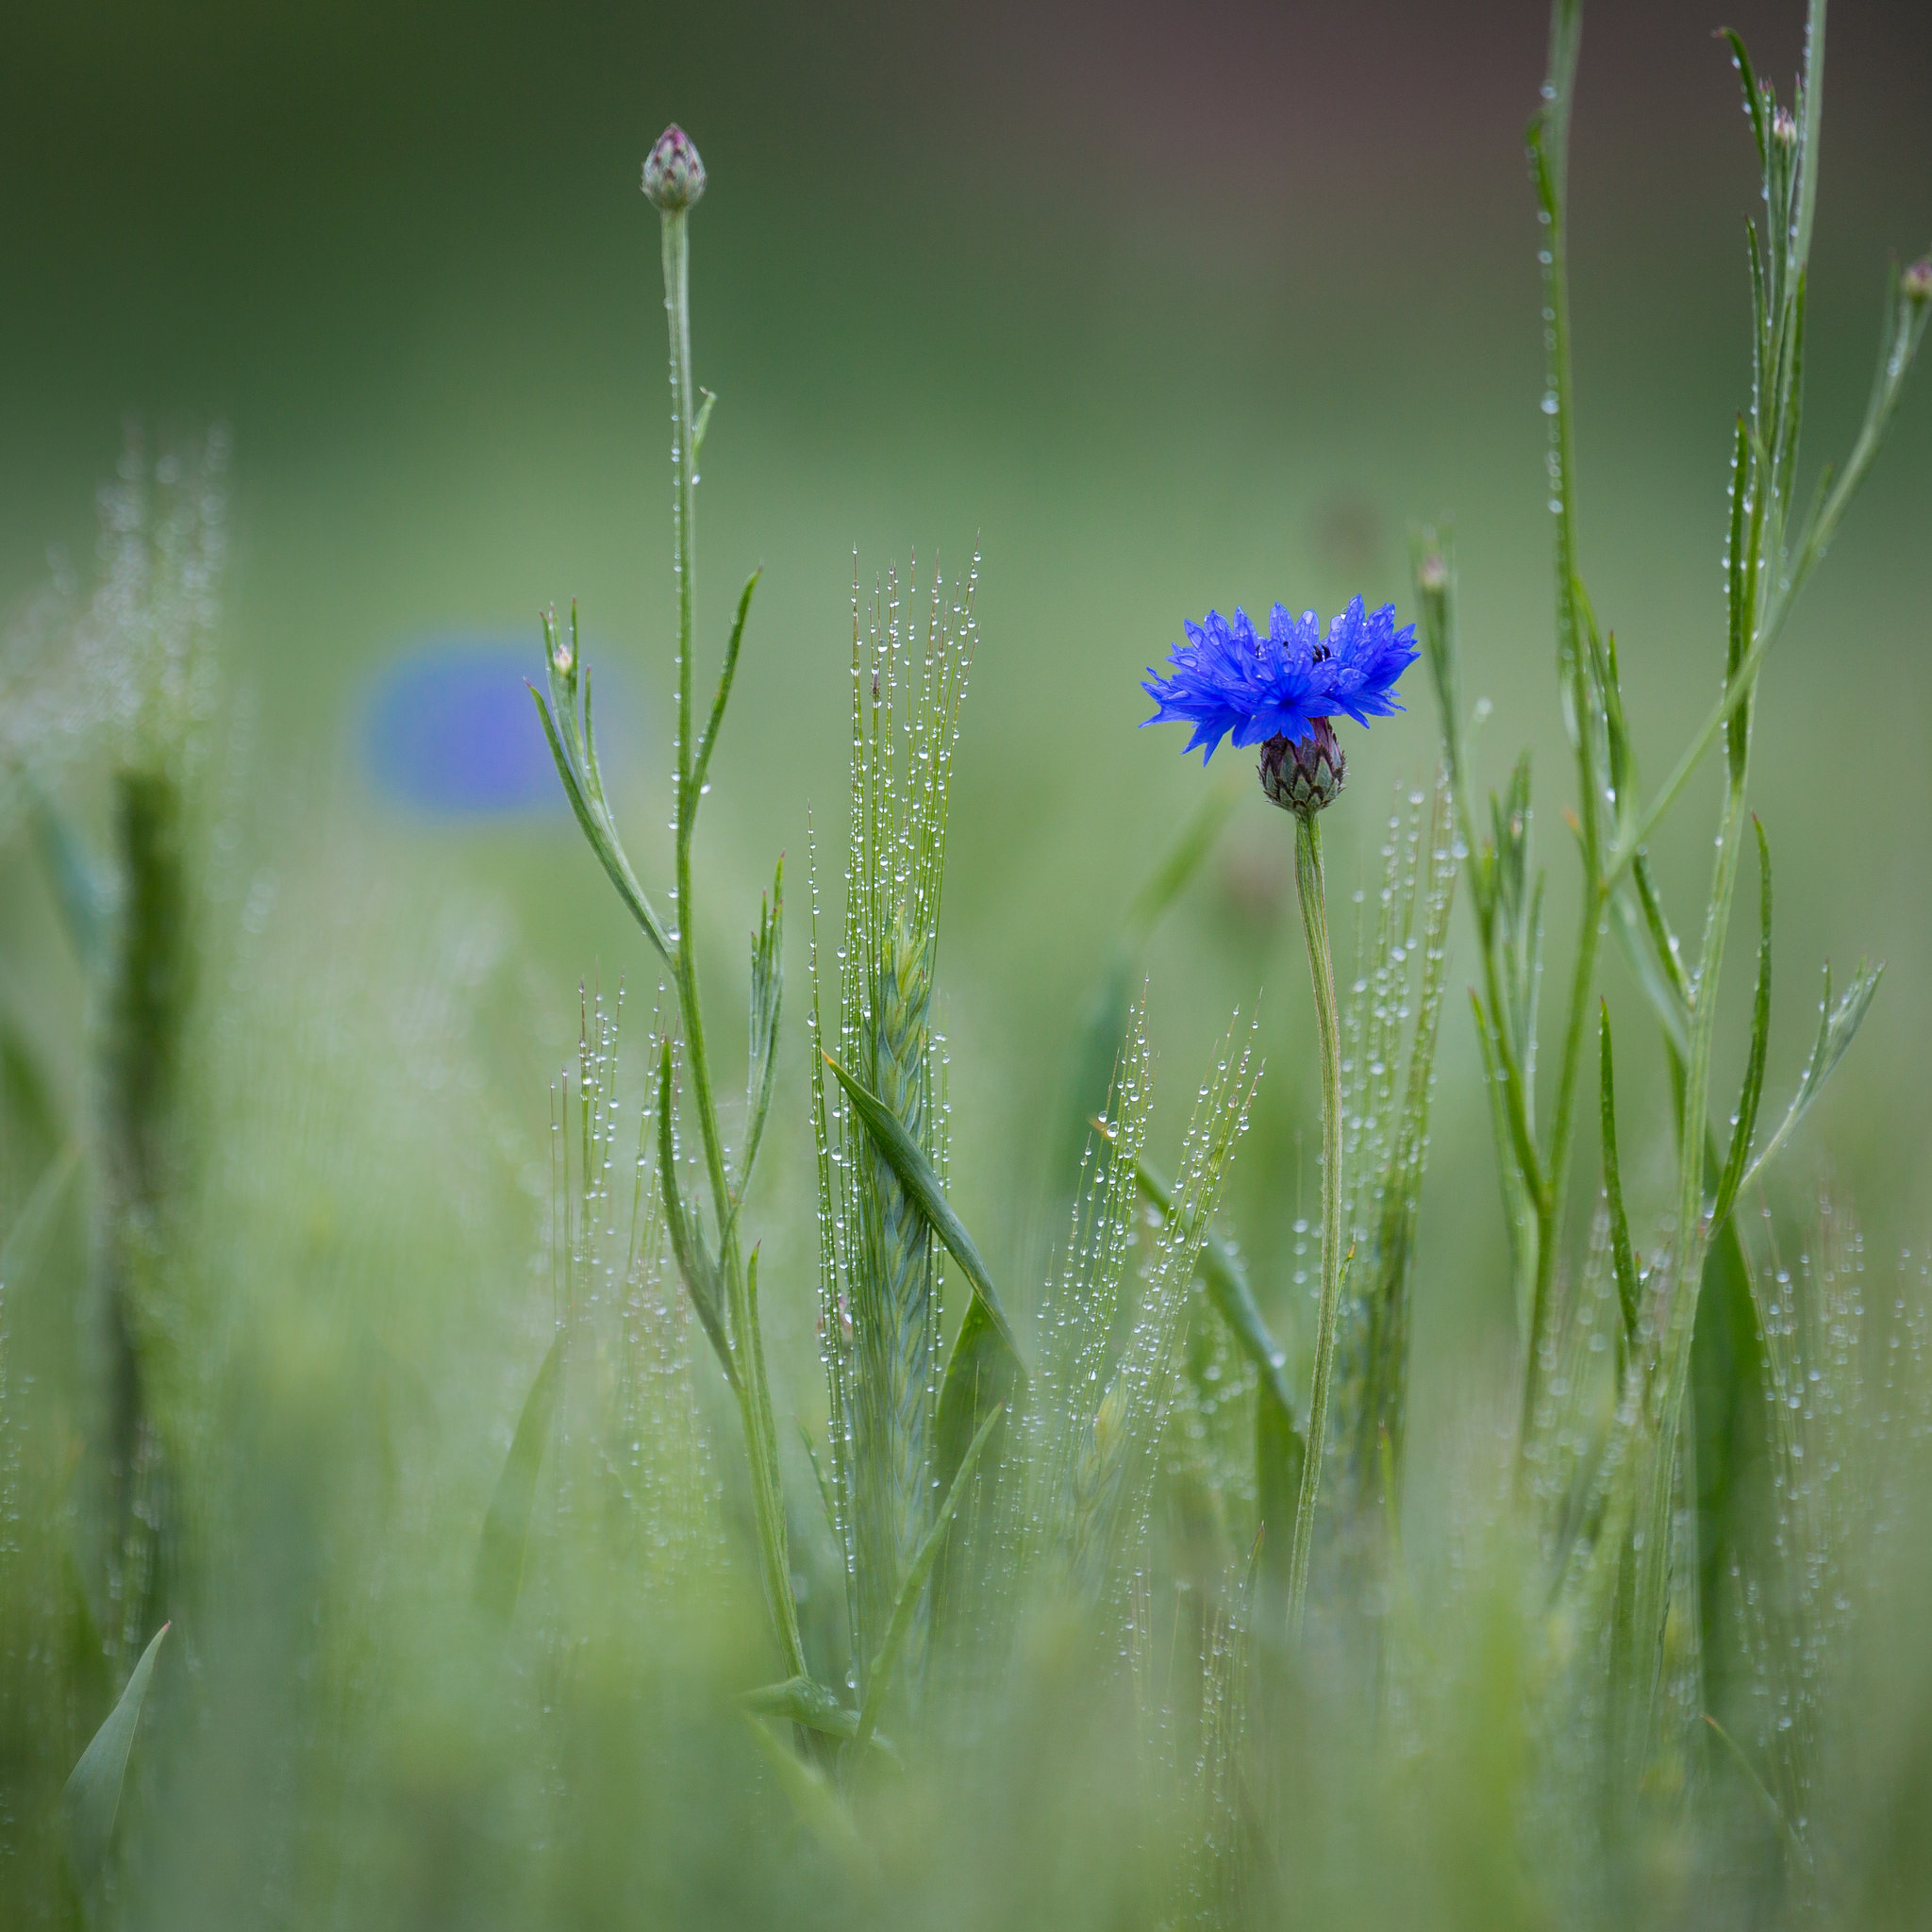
<point x="533" y="1552"/>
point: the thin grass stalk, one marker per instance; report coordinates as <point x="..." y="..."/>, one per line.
<point x="1307" y="869"/>
<point x="1550" y="148"/>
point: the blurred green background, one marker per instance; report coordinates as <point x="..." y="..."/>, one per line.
<point x="1162" y="307"/>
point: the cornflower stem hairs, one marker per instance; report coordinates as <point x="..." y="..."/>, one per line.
<point x="1282" y="692"/>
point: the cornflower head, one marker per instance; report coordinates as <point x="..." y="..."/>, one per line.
<point x="1282" y="691"/>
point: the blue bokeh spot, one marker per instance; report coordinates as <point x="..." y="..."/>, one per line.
<point x="450" y="730"/>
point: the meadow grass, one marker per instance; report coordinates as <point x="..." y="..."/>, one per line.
<point x="529" y="1551"/>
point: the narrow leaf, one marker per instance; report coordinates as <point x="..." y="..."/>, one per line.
<point x="1624" y="1260"/>
<point x="92" y="1800"/>
<point x="1760" y="1029"/>
<point x="1759" y="1790"/>
<point x="500" y="1551"/>
<point x="767" y="1002"/>
<point x="700" y="423"/>
<point x="1836" y="1025"/>
<point x="913" y="1585"/>
<point x="702" y="763"/>
<point x="609" y="853"/>
<point x="983" y="1376"/>
<point x="906" y="1159"/>
<point x="687" y="1237"/>
<point x="818" y="1805"/>
<point x="804" y="1702"/>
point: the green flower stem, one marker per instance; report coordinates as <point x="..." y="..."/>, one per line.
<point x="747" y="1350"/>
<point x="1308" y="873"/>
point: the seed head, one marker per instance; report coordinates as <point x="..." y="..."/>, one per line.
<point x="1915" y="284"/>
<point x="674" y="174"/>
<point x="1302" y="775"/>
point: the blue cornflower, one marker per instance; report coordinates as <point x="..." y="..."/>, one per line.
<point x="1365" y="657"/>
<point x="1279" y="691"/>
<point x="1228" y="679"/>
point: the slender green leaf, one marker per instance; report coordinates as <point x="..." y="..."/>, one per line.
<point x="92" y="1800"/>
<point x="807" y="1702"/>
<point x="700" y="423"/>
<point x="687" y="1237"/>
<point x="767" y="1002"/>
<point x="1622" y="1258"/>
<point x="601" y="837"/>
<point x="907" y="1160"/>
<point x="879" y="1681"/>
<point x="708" y="738"/>
<point x="1280" y="1451"/>
<point x="1759" y="1790"/>
<point x="818" y="1805"/>
<point x="1746" y="1122"/>
<point x="1837" y="1026"/>
<point x="983" y="1376"/>
<point x="500" y="1551"/>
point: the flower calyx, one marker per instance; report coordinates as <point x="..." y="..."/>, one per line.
<point x="1303" y="775"/>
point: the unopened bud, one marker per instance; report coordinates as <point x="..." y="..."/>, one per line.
<point x="1915" y="284"/>
<point x="1784" y="129"/>
<point x="1302" y="775"/>
<point x="1434" y="574"/>
<point x="673" y="176"/>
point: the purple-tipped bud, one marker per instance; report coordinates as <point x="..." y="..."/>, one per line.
<point x="673" y="176"/>
<point x="1302" y="775"/>
<point x="1434" y="574"/>
<point x="1915" y="284"/>
<point x="1784" y="128"/>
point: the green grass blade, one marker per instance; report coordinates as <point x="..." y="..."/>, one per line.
<point x="499" y="1576"/>
<point x="687" y="1237"/>
<point x="818" y="1805"/>
<point x="906" y="1160"/>
<point x="92" y="1800"/>
<point x="609" y="853"/>
<point x="983" y="1376"/>
<point x="725" y="678"/>
<point x="1623" y="1259"/>
<point x="879" y="1681"/>
<point x="1837" y="1028"/>
<point x="807" y="1702"/>
<point x="766" y="1003"/>
<point x="1746" y="1122"/>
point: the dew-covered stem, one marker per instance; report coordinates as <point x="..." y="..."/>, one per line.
<point x="1308" y="873"/>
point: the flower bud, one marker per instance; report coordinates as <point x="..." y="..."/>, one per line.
<point x="1915" y="283"/>
<point x="673" y="176"/>
<point x="1784" y="128"/>
<point x="1302" y="775"/>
